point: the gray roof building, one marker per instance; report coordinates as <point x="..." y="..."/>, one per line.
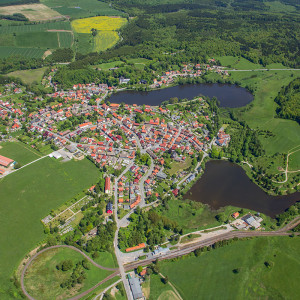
<point x="135" y="287"/>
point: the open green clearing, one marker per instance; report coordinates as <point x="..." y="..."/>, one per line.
<point x="106" y="259"/>
<point x="29" y="76"/>
<point x="261" y="113"/>
<point x="211" y="276"/>
<point x="28" y="195"/>
<point x="18" y="152"/>
<point x="82" y="8"/>
<point x="157" y="288"/>
<point x="238" y="63"/>
<point x="193" y="216"/>
<point x="277" y="6"/>
<point x="43" y="278"/>
<point x="180" y="166"/>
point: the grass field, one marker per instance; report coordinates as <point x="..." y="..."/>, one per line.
<point x="192" y="216"/>
<point x="262" y="114"/>
<point x="44" y="279"/>
<point x="18" y="152"/>
<point x="210" y="276"/>
<point x="29" y="76"/>
<point x="179" y="166"/>
<point x="28" y="195"/>
<point x="99" y="23"/>
<point x="34" y="11"/>
<point x="158" y="290"/>
<point x="82" y="8"/>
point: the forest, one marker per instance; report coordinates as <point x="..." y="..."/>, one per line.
<point x="288" y="100"/>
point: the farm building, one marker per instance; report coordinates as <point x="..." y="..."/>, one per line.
<point x="5" y="161"/>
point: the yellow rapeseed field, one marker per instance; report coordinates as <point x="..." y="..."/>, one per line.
<point x="99" y="23"/>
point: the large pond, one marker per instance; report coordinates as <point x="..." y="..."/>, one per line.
<point x="228" y="95"/>
<point x="224" y="183"/>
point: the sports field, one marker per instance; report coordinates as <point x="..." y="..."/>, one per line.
<point x="211" y="276"/>
<point x="19" y="152"/>
<point x="44" y="279"/>
<point x="27" y="196"/>
<point x="82" y="8"/>
<point x="33" y="12"/>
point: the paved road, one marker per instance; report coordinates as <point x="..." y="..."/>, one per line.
<point x="253" y="70"/>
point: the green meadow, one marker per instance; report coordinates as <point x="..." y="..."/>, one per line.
<point x="29" y="76"/>
<point x="19" y="152"/>
<point x="27" y="196"/>
<point x="43" y="278"/>
<point x="261" y="113"/>
<point x="211" y="276"/>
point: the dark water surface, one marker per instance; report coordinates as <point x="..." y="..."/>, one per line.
<point x="228" y="95"/>
<point x="224" y="183"/>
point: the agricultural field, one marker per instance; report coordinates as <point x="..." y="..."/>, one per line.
<point x="81" y="8"/>
<point x="28" y="195"/>
<point x="19" y="152"/>
<point x="105" y="38"/>
<point x="33" y="12"/>
<point x="264" y="267"/>
<point x="60" y="25"/>
<point x="43" y="278"/>
<point x="27" y="52"/>
<point x="37" y="39"/>
<point x="261" y="113"/>
<point x="98" y="23"/>
<point x="65" y="39"/>
<point x="158" y="290"/>
<point x="29" y="76"/>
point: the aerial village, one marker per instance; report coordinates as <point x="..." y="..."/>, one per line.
<point x="139" y="150"/>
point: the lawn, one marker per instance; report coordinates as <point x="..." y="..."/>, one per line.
<point x="29" y="76"/>
<point x="43" y="278"/>
<point x="28" y="195"/>
<point x="262" y="112"/>
<point x="19" y="152"/>
<point x="211" y="276"/>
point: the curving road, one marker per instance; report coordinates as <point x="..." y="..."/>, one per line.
<point x="83" y="254"/>
<point x="185" y="249"/>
